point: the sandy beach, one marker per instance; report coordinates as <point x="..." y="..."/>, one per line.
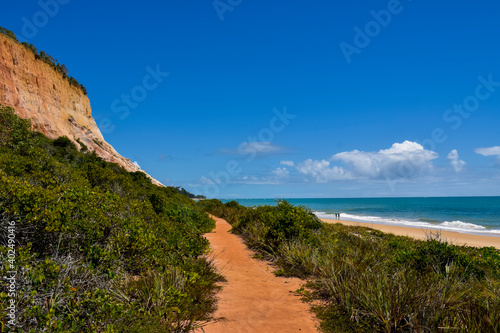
<point x="421" y="233"/>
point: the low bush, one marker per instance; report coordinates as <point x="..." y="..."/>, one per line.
<point x="98" y="249"/>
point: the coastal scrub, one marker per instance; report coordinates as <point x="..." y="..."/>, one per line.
<point x="369" y="281"/>
<point x="97" y="248"/>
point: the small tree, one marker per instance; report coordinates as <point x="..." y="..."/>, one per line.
<point x="8" y="33"/>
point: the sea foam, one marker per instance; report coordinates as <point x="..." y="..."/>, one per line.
<point x="458" y="226"/>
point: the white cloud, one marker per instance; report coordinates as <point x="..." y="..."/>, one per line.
<point x="491" y="151"/>
<point x="252" y="149"/>
<point x="258" y="148"/>
<point x="455" y="162"/>
<point x="205" y="180"/>
<point x="403" y="160"/>
<point x="253" y="180"/>
<point x="136" y="164"/>
<point x="282" y="173"/>
<point x="321" y="171"/>
<point x="287" y="163"/>
<point x="277" y="176"/>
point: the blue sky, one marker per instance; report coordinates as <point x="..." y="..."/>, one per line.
<point x="253" y="99"/>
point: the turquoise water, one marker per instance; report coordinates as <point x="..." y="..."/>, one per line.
<point x="479" y="215"/>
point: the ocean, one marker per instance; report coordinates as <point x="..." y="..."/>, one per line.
<point x="472" y="215"/>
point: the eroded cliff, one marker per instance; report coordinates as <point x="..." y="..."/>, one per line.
<point x="55" y="106"/>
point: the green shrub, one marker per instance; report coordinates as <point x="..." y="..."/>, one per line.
<point x="280" y="223"/>
<point x="93" y="239"/>
<point x="229" y="211"/>
<point x="63" y="142"/>
<point x="83" y="147"/>
<point x="8" y="33"/>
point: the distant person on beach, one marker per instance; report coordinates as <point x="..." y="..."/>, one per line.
<point x="338" y="216"/>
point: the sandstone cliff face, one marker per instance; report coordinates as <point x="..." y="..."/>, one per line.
<point x="55" y="107"/>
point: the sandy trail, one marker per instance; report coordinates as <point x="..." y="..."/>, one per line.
<point x="253" y="299"/>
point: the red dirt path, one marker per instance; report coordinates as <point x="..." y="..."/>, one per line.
<point x="253" y="300"/>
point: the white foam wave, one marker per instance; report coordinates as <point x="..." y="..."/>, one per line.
<point x="458" y="226"/>
<point x="462" y="225"/>
<point x="323" y="215"/>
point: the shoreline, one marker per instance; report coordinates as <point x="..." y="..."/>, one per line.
<point x="452" y="237"/>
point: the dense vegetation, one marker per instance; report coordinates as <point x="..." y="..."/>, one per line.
<point x="369" y="281"/>
<point x="182" y="191"/>
<point x="45" y="57"/>
<point x="97" y="249"/>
